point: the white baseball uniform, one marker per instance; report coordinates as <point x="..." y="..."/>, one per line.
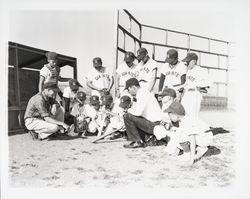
<point x="173" y="75"/>
<point x="191" y="100"/>
<point x="145" y="72"/>
<point x="125" y="72"/>
<point x="100" y="79"/>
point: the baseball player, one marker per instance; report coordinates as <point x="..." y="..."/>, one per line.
<point x="99" y="79"/>
<point x="125" y="71"/>
<point x="147" y="70"/>
<point x="50" y="72"/>
<point x="172" y="72"/>
<point x="197" y="81"/>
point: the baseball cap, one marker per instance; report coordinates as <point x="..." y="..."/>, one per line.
<point x="189" y="57"/>
<point x="81" y="96"/>
<point x="51" y="55"/>
<point x="168" y="92"/>
<point x="94" y="99"/>
<point x="74" y="84"/>
<point x="125" y="101"/>
<point x="172" y="55"/>
<point x="52" y="86"/>
<point x="176" y="108"/>
<point x="107" y="100"/>
<point x="141" y="53"/>
<point x="131" y="82"/>
<point x="97" y="61"/>
<point x="129" y="57"/>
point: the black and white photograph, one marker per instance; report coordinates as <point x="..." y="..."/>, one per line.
<point x="100" y="99"/>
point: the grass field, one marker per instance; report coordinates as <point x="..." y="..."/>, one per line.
<point x="76" y="162"/>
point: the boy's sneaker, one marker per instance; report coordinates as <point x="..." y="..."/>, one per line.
<point x="33" y="134"/>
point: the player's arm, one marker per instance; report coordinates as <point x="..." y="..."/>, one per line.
<point x="161" y="83"/>
<point x="153" y="79"/>
<point x="41" y="82"/>
<point x="117" y="80"/>
<point x="90" y="85"/>
<point x="63" y="79"/>
<point x="111" y="83"/>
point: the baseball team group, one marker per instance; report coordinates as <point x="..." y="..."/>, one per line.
<point x="136" y="112"/>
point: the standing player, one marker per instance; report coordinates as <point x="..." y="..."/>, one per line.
<point x="125" y="71"/>
<point x="50" y="72"/>
<point x="99" y="79"/>
<point x="197" y="80"/>
<point x="147" y="70"/>
<point x="172" y="73"/>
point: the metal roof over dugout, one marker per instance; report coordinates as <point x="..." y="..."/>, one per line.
<point x="25" y="62"/>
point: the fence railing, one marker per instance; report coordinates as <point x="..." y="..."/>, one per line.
<point x="128" y="33"/>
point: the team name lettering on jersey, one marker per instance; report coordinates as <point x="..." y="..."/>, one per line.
<point x="174" y="73"/>
<point x="100" y="76"/>
<point x="129" y="73"/>
<point x="145" y="69"/>
<point x="191" y="78"/>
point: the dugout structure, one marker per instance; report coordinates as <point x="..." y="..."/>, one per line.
<point x="213" y="53"/>
<point x="24" y="65"/>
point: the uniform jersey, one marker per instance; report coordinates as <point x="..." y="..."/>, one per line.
<point x="100" y="79"/>
<point x="125" y="72"/>
<point x="68" y="93"/>
<point x="50" y="74"/>
<point x="173" y="75"/>
<point x="145" y="71"/>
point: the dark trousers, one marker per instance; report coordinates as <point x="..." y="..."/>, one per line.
<point x="136" y="127"/>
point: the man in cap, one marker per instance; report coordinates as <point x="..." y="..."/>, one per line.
<point x="38" y="118"/>
<point x="125" y="71"/>
<point x="50" y="72"/>
<point x="99" y="79"/>
<point x="173" y="72"/>
<point x="197" y="81"/>
<point x="147" y="69"/>
<point x="191" y="130"/>
<point x="69" y="98"/>
<point x="143" y="116"/>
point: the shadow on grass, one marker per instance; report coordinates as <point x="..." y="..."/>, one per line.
<point x="212" y="150"/>
<point x="219" y="130"/>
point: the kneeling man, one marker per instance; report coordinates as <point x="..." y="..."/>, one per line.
<point x="38" y="118"/>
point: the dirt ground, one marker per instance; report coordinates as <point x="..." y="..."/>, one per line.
<point x="76" y="162"/>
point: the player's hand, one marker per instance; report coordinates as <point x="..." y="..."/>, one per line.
<point x="65" y="126"/>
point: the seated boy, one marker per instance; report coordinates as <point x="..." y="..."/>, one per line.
<point x="192" y="130"/>
<point x="79" y="113"/>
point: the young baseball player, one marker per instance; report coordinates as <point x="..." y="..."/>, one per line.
<point x="125" y="71"/>
<point x="147" y="70"/>
<point x="50" y="72"/>
<point x="192" y="130"/>
<point x="93" y="114"/>
<point x="172" y="72"/>
<point x="99" y="79"/>
<point x="197" y="80"/>
<point x="79" y="113"/>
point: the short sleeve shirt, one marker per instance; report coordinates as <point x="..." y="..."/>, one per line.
<point x="125" y="72"/>
<point x="37" y="107"/>
<point x="78" y="110"/>
<point x="100" y="79"/>
<point x="50" y="74"/>
<point x="68" y="93"/>
<point x="145" y="70"/>
<point x="173" y="75"/>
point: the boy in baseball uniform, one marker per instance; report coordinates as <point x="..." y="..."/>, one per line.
<point x="192" y="130"/>
<point x="197" y="81"/>
<point x="147" y="70"/>
<point x="172" y="72"/>
<point x="99" y="79"/>
<point x="125" y="71"/>
<point x="79" y="113"/>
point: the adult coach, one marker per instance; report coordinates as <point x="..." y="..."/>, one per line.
<point x="99" y="79"/>
<point x="147" y="69"/>
<point x="126" y="70"/>
<point x="173" y="72"/>
<point x="197" y="81"/>
<point x="143" y="116"/>
<point x="38" y="117"/>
